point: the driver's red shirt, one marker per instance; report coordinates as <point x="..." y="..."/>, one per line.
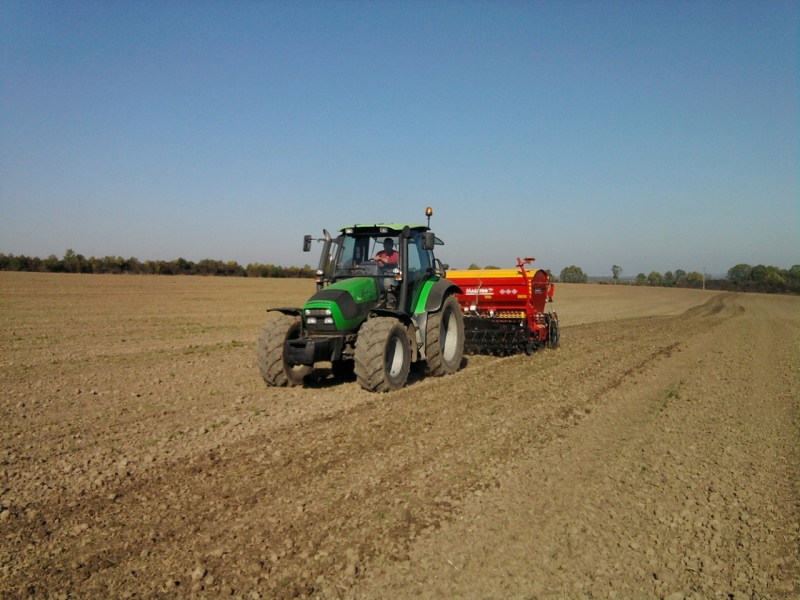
<point x="388" y="258"/>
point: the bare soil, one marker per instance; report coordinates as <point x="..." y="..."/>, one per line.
<point x="653" y="455"/>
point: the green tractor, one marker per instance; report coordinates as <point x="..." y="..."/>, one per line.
<point x="382" y="302"/>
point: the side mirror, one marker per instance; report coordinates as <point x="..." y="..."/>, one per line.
<point x="307" y="243"/>
<point x="428" y="240"/>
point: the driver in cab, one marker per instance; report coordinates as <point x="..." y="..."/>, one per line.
<point x="387" y="258"/>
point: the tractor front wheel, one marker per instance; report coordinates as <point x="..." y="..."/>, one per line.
<point x="444" y="339"/>
<point x="271" y="362"/>
<point x="382" y="355"/>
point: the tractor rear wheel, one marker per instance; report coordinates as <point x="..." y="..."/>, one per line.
<point x="383" y="355"/>
<point x="271" y="362"/>
<point x="444" y="339"/>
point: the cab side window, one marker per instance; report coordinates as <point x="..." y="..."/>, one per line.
<point x="418" y="259"/>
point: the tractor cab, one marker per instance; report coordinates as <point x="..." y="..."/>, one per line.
<point x="397" y="257"/>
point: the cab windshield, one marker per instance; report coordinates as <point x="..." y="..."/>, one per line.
<point x="367" y="255"/>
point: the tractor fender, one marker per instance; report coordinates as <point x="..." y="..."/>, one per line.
<point x="410" y="324"/>
<point x="292" y="312"/>
<point x="440" y="290"/>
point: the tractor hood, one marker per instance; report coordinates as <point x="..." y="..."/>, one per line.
<point x="347" y="302"/>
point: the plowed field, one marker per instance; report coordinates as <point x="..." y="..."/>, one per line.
<point x="653" y="455"/>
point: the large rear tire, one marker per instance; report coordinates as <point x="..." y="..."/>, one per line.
<point x="444" y="339"/>
<point x="382" y="356"/>
<point x="274" y="368"/>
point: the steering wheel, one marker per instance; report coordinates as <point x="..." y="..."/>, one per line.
<point x="364" y="268"/>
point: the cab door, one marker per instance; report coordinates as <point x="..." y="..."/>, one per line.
<point x="419" y="268"/>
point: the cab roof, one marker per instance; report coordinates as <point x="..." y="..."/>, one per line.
<point x="375" y="228"/>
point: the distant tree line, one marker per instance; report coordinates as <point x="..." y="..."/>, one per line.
<point x="679" y="278"/>
<point x="741" y="278"/>
<point x="77" y="263"/>
<point x="769" y="279"/>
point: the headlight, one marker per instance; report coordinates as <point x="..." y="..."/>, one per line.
<point x="328" y="311"/>
<point x="311" y="321"/>
<point x="328" y="321"/>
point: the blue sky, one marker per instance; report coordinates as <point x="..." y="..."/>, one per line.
<point x="652" y="135"/>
